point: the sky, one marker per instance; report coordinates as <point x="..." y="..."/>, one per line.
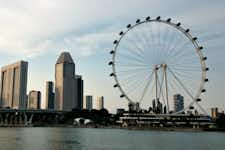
<point x="37" y="31"/>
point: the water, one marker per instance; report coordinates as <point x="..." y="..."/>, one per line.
<point x="104" y="139"/>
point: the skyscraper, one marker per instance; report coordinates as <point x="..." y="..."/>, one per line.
<point x="34" y="100"/>
<point x="100" y="102"/>
<point x="80" y="89"/>
<point x="178" y="102"/>
<point x="14" y="85"/>
<point x="49" y="95"/>
<point x="88" y="102"/>
<point x="65" y="83"/>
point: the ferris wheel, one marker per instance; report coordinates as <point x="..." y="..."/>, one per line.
<point x="155" y="60"/>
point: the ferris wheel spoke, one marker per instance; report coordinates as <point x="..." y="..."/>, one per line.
<point x="191" y="59"/>
<point x="146" y="86"/>
<point x="178" y="49"/>
<point x="134" y="86"/>
<point x="131" y="65"/>
<point x="131" y="71"/>
<point x="179" y="89"/>
<point x="147" y="36"/>
<point x="162" y="43"/>
<point x="138" y="40"/>
<point x="186" y="69"/>
<point x="173" y="49"/>
<point x="124" y="75"/>
<point x="154" y="50"/>
<point x="134" y="67"/>
<point x="159" y="42"/>
<point x="126" y="79"/>
<point x="132" y="58"/>
<point x="181" y="84"/>
<point x="145" y="40"/>
<point x="164" y="37"/>
<point x="137" y="51"/>
<point x="186" y="54"/>
<point x="192" y="64"/>
<point x="186" y="73"/>
<point x="188" y="80"/>
<point x="172" y="44"/>
<point x="170" y="40"/>
<point x="136" y="45"/>
<point x="129" y="62"/>
<point x="134" y="53"/>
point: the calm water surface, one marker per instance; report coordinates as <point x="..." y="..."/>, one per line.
<point x="103" y="139"/>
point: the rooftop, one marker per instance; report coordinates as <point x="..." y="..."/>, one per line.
<point x="65" y="57"/>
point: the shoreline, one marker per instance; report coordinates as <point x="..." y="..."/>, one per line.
<point x="177" y="129"/>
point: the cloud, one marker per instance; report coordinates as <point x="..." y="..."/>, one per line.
<point x="33" y="28"/>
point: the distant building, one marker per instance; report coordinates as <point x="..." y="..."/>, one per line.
<point x="88" y="102"/>
<point x="100" y="102"/>
<point x="65" y="83"/>
<point x="120" y="111"/>
<point x="214" y="112"/>
<point x="178" y="102"/>
<point x="80" y="89"/>
<point x="14" y="85"/>
<point x="50" y="95"/>
<point x="153" y="105"/>
<point x="157" y="106"/>
<point x="34" y="100"/>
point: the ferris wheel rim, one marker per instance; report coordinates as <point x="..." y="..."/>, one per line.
<point x="179" y="28"/>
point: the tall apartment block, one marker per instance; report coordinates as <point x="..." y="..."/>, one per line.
<point x="14" y="85"/>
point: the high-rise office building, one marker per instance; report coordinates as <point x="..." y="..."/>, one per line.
<point x="34" y="100"/>
<point x="14" y="85"/>
<point x="65" y="83"/>
<point x="80" y="89"/>
<point x="100" y="102"/>
<point x="50" y="95"/>
<point x="88" y="102"/>
<point x="178" y="102"/>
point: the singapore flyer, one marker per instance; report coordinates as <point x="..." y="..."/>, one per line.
<point x="159" y="65"/>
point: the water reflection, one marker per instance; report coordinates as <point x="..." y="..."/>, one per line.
<point x="102" y="139"/>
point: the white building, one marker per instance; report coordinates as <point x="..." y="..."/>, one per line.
<point x="100" y="102"/>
